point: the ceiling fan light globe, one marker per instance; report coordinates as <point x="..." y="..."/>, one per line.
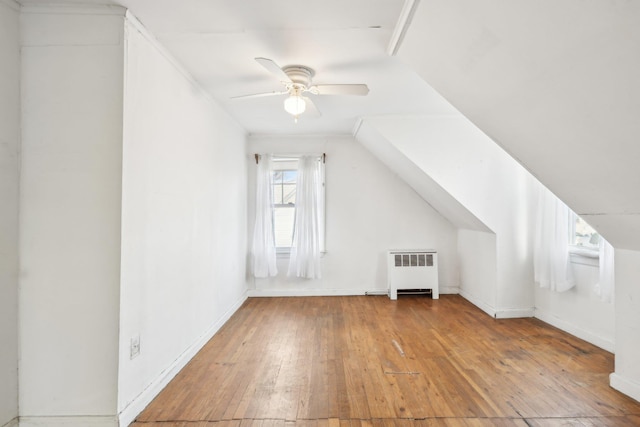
<point x="294" y="105"/>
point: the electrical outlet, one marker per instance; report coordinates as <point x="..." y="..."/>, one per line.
<point x="134" y="350"/>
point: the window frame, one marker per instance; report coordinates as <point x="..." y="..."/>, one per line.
<point x="285" y="163"/>
<point x="581" y="254"/>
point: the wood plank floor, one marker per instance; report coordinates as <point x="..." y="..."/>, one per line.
<point x="372" y="362"/>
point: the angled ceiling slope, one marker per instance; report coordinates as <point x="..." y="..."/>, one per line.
<point x="555" y="84"/>
<point x="430" y="191"/>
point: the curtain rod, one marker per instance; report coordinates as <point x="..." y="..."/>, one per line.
<point x="323" y="155"/>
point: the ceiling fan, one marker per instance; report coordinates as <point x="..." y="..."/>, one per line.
<point x="297" y="82"/>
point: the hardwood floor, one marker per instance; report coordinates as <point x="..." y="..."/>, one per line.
<point x="372" y="362"/>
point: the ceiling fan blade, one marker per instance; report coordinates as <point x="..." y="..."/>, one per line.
<point x="273" y="68"/>
<point x="347" y="89"/>
<point x="311" y="110"/>
<point x="260" y="95"/>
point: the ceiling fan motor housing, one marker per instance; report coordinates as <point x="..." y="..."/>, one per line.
<point x="299" y="74"/>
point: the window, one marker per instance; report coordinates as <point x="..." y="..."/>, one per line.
<point x="584" y="236"/>
<point x="284" y="181"/>
<point x="284" y="202"/>
<point x="584" y="242"/>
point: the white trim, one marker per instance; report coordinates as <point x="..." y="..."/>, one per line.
<point x="325" y="136"/>
<point x="266" y="293"/>
<point x="283" y="253"/>
<point x="584" y="256"/>
<point x="514" y="313"/>
<point x="293" y="157"/>
<point x="135" y="23"/>
<point x="259" y="293"/>
<point x="478" y="303"/>
<point x="602" y="342"/>
<point x="12" y="4"/>
<point x="577" y="258"/>
<point x="377" y="292"/>
<point x="584" y="251"/>
<point x="97" y="421"/>
<point x="136" y="406"/>
<point x="138" y="26"/>
<point x="406" y="15"/>
<point x="449" y="290"/>
<point x="624" y="385"/>
<point x="505" y="313"/>
<point x="13" y="422"/>
<point x="73" y="8"/>
<point x="357" y="126"/>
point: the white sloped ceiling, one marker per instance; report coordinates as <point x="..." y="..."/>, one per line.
<point x="555" y="84"/>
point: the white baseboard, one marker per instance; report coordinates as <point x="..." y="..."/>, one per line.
<point x="478" y="303"/>
<point x="504" y="313"/>
<point x="449" y="290"/>
<point x="379" y="292"/>
<point x="98" y="421"/>
<point x="332" y="292"/>
<point x="137" y="405"/>
<point x="629" y="387"/>
<point x="603" y="343"/>
<point x="11" y="423"/>
<point x="313" y="292"/>
<point x="514" y="313"/>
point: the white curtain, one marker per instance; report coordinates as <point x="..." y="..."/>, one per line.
<point x="552" y="268"/>
<point x="305" y="251"/>
<point x="605" y="287"/>
<point x="263" y="247"/>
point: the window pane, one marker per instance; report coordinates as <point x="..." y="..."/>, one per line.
<point x="289" y="176"/>
<point x="283" y="226"/>
<point x="284" y="187"/>
<point x="277" y="187"/>
<point x="289" y="193"/>
<point x="277" y="194"/>
<point x="585" y="235"/>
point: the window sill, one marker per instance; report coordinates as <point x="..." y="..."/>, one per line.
<point x="584" y="256"/>
<point x="585" y="252"/>
<point x="287" y="254"/>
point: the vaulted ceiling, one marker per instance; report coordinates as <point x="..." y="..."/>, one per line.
<point x="554" y="83"/>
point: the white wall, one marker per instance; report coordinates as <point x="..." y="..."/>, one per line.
<point x="9" y="184"/>
<point x="412" y="174"/>
<point x="368" y="211"/>
<point x="183" y="220"/>
<point x="626" y="377"/>
<point x="478" y="268"/>
<point x="70" y="216"/>
<point x="579" y="310"/>
<point x="488" y="183"/>
<point x="476" y="245"/>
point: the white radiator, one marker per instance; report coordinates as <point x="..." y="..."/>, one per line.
<point x="412" y="270"/>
